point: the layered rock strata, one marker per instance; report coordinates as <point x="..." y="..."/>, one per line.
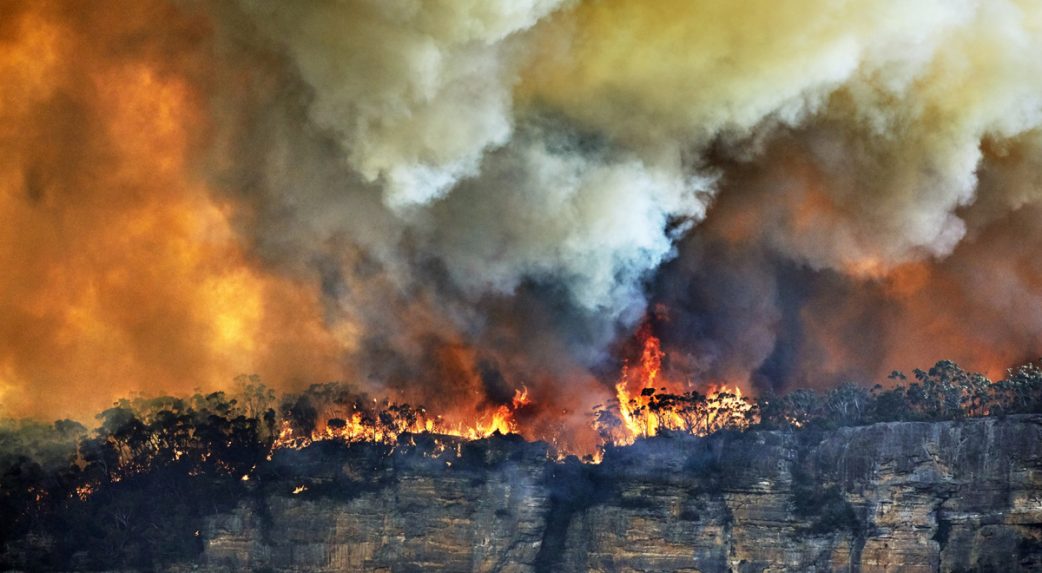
<point x="908" y="497"/>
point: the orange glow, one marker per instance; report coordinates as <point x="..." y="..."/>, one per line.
<point x="521" y="398"/>
<point x="84" y="491"/>
<point x="649" y="404"/>
<point x="122" y="269"/>
<point x="866" y="268"/>
<point x="643" y="378"/>
<point x="908" y="279"/>
<point x="388" y="422"/>
<point x="131" y="263"/>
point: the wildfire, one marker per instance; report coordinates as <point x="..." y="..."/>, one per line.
<point x="630" y="407"/>
<point x="84" y="491"/>
<point x="647" y="404"/>
<point x="386" y="422"/>
<point x="502" y="421"/>
<point x="645" y="410"/>
<point x="521" y="398"/>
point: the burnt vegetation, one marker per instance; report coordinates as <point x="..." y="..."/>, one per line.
<point x="134" y="492"/>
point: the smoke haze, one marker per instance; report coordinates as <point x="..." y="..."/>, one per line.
<point x="446" y="201"/>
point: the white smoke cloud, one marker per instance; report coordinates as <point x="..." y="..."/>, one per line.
<point x="482" y="147"/>
<point x="416" y="91"/>
<point x="420" y="97"/>
<point x="545" y="208"/>
<point x="388" y="178"/>
<point x="890" y="101"/>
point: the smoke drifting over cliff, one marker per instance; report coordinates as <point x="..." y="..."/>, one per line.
<point x="449" y="200"/>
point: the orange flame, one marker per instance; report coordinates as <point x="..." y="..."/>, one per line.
<point x="645" y="413"/>
<point x="648" y="405"/>
<point x="386" y="425"/>
<point x="521" y="398"/>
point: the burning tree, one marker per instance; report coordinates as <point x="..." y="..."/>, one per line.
<point x="652" y="411"/>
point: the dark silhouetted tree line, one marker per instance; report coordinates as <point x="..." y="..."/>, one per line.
<point x="135" y="491"/>
<point x="132" y="494"/>
<point x="944" y="392"/>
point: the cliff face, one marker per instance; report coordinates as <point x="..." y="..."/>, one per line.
<point x="953" y="496"/>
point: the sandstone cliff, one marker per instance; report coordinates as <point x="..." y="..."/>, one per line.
<point x="951" y="496"/>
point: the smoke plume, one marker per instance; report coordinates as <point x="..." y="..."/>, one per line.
<point x="447" y="201"/>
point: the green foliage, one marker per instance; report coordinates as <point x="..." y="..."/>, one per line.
<point x="1020" y="391"/>
<point x="944" y="392"/>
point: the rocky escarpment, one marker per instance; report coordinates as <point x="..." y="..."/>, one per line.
<point x="946" y="496"/>
<point x="950" y="496"/>
<point x="888" y="497"/>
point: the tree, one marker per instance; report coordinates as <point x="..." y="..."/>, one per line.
<point x="607" y="423"/>
<point x="847" y="404"/>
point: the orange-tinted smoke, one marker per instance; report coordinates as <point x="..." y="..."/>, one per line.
<point x="977" y="306"/>
<point x="120" y="272"/>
